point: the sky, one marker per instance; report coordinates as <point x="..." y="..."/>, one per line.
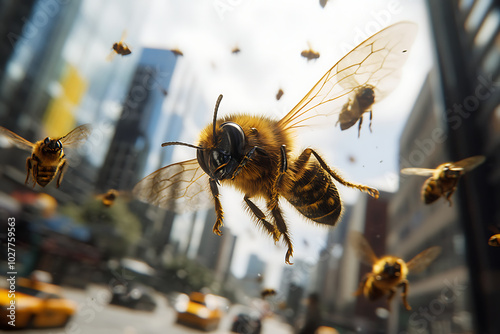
<point x="271" y="36"/>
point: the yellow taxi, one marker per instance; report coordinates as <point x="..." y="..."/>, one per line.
<point x="199" y="310"/>
<point x="27" y="303"/>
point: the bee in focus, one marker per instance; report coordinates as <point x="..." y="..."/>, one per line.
<point x="309" y="53"/>
<point x="120" y="47"/>
<point x="256" y="155"/>
<point x="47" y="156"/>
<point x="109" y="197"/>
<point x="267" y="293"/>
<point x="279" y="94"/>
<point x="388" y="272"/>
<point x="444" y="178"/>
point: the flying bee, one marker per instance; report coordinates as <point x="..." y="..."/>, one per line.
<point x="120" y="47"/>
<point x="388" y="272"/>
<point x="279" y="94"/>
<point x="494" y="240"/>
<point x="255" y="153"/>
<point x="310" y="53"/>
<point x="235" y="50"/>
<point x="267" y="293"/>
<point x="177" y="52"/>
<point x="109" y="197"/>
<point x="444" y="178"/>
<point x="47" y="157"/>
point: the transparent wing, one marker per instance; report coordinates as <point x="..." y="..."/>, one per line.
<point x="418" y="171"/>
<point x="16" y="140"/>
<point x="363" y="249"/>
<point x="181" y="187"/>
<point x="423" y="259"/>
<point x="377" y="62"/>
<point x="469" y="164"/>
<point x="77" y="136"/>
<point x="124" y="35"/>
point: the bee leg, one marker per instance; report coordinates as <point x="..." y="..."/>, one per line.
<point x="371" y="117"/>
<point x="62" y="170"/>
<point x="261" y="219"/>
<point x="405" y="293"/>
<point x="273" y="205"/>
<point x="304" y="157"/>
<point x="244" y="161"/>
<point x="359" y="125"/>
<point x="392" y="292"/>
<point x="448" y="197"/>
<point x="29" y="170"/>
<point x="218" y="207"/>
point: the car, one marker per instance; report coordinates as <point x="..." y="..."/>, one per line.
<point x="134" y="296"/>
<point x="199" y="310"/>
<point x="247" y="323"/>
<point x="37" y="305"/>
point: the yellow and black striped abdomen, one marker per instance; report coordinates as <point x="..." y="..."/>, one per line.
<point x="314" y="195"/>
<point x="45" y="174"/>
<point x="431" y="191"/>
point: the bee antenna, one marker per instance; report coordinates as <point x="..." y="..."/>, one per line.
<point x="215" y="114"/>
<point x="170" y="143"/>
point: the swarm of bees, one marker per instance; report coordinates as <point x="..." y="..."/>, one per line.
<point x="444" y="178"/>
<point x="47" y="155"/>
<point x="388" y="272"/>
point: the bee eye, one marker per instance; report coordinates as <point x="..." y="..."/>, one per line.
<point x="46" y="141"/>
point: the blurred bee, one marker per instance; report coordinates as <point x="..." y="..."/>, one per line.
<point x="388" y="272"/>
<point x="47" y="157"/>
<point x="494" y="240"/>
<point x="109" y="197"/>
<point x="235" y="50"/>
<point x="279" y="94"/>
<point x="255" y="153"/>
<point x="444" y="179"/>
<point x="309" y="53"/>
<point x="267" y="293"/>
<point x="120" y="47"/>
<point x="177" y="52"/>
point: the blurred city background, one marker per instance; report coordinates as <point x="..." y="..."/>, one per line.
<point x="55" y="74"/>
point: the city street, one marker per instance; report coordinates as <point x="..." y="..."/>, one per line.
<point x="96" y="316"/>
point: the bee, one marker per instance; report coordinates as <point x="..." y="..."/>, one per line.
<point x="494" y="240"/>
<point x="235" y="50"/>
<point x="255" y="153"/>
<point x="109" y="197"/>
<point x="177" y="52"/>
<point x="388" y="272"/>
<point x="267" y="293"/>
<point x="47" y="157"/>
<point x="309" y="53"/>
<point x="279" y="94"/>
<point x="444" y="178"/>
<point x="120" y="47"/>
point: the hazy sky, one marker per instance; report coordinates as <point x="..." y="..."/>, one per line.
<point x="271" y="36"/>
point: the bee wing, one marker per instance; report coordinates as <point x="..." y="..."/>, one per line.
<point x="124" y="35"/>
<point x="423" y="259"/>
<point x="16" y="140"/>
<point x="469" y="164"/>
<point x="77" y="136"/>
<point x="363" y="249"/>
<point x="111" y="55"/>
<point x="418" y="171"/>
<point x="182" y="187"/>
<point x="377" y="62"/>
